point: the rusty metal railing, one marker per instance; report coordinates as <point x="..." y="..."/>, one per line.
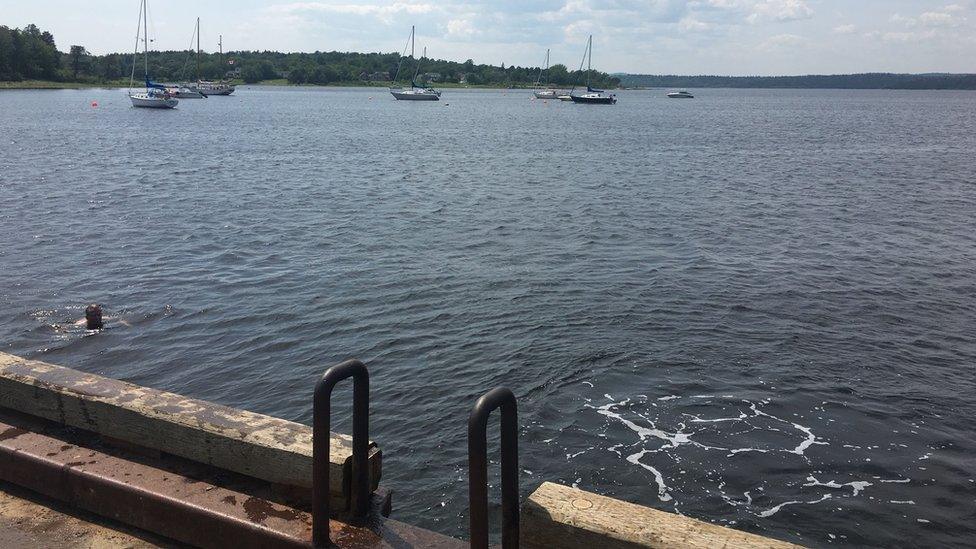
<point x="321" y="408"/>
<point x="478" y="468"/>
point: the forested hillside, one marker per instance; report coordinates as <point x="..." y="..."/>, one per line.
<point x="30" y="54"/>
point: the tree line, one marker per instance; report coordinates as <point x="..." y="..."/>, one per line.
<point x="30" y="54"/>
<point x="837" y="81"/>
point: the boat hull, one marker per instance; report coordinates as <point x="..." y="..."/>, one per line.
<point x="153" y="102"/>
<point x="405" y="96"/>
<point x="602" y="100"/>
<point x="565" y="97"/>
<point x="188" y="93"/>
<point x="549" y="94"/>
<point x="680" y="96"/>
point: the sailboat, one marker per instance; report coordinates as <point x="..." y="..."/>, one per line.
<point x="186" y="90"/>
<point x="219" y="87"/>
<point x="415" y="92"/>
<point x="155" y="96"/>
<point x="592" y="96"/>
<point x="547" y="93"/>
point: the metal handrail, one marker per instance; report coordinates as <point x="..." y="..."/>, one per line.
<point x="478" y="468"/>
<point x="321" y="438"/>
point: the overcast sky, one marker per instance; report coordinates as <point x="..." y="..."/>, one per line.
<point x="737" y="37"/>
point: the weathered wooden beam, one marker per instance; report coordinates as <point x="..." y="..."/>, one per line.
<point x="559" y="516"/>
<point x="256" y="445"/>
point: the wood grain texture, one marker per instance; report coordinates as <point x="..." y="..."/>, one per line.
<point x="568" y="518"/>
<point x="256" y="445"/>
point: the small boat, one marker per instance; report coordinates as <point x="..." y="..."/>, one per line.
<point x="547" y="93"/>
<point x="414" y="92"/>
<point x="680" y="95"/>
<point x="564" y="97"/>
<point x="153" y="99"/>
<point x="155" y="96"/>
<point x="592" y="96"/>
<point x="595" y="97"/>
<point x="185" y="92"/>
<point x="208" y="88"/>
<point x="211" y="87"/>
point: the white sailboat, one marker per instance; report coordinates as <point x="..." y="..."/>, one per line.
<point x="185" y="90"/>
<point x="155" y="96"/>
<point x="547" y="93"/>
<point x="414" y="92"/>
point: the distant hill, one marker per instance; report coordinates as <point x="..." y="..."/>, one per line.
<point x="882" y="81"/>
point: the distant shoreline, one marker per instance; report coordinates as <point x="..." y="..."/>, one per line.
<point x="119" y="84"/>
<point x="54" y="85"/>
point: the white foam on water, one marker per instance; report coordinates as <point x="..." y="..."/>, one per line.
<point x="858" y="485"/>
<point x="906" y="502"/>
<point x="662" y="488"/>
<point x="770" y="512"/>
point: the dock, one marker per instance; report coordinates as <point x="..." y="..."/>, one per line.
<point x="89" y="461"/>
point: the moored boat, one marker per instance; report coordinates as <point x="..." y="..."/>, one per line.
<point x="414" y="92"/>
<point x="156" y="96"/>
<point x="547" y="93"/>
<point x="213" y="87"/>
<point x="592" y="96"/>
<point x="680" y="95"/>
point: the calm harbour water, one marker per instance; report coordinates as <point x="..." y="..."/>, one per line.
<point x="756" y="308"/>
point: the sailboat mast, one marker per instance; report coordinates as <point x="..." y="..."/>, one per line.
<point x="135" y="52"/>
<point x="412" y="35"/>
<point x="547" y="67"/>
<point x="589" y="62"/>
<point x="198" y="48"/>
<point x="145" y="26"/>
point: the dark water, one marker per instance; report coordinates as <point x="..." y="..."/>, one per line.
<point x="756" y="308"/>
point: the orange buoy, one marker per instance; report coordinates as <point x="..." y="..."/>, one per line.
<point x="94" y="103"/>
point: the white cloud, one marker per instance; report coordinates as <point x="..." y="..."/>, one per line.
<point x="779" y="10"/>
<point x="692" y="24"/>
<point x="845" y="29"/>
<point x="781" y="42"/>
<point x="461" y="28"/>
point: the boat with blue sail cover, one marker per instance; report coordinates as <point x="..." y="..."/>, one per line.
<point x="592" y="96"/>
<point x="156" y="95"/>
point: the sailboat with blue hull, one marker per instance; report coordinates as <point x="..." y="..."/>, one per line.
<point x="592" y="96"/>
<point x="156" y="96"/>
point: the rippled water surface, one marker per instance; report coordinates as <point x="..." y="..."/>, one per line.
<point x="757" y="308"/>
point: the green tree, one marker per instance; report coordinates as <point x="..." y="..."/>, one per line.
<point x="78" y="57"/>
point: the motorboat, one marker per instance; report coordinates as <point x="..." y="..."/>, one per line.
<point x="680" y="95"/>
<point x="547" y="94"/>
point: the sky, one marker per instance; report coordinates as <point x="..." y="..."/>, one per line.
<point x="726" y="37"/>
